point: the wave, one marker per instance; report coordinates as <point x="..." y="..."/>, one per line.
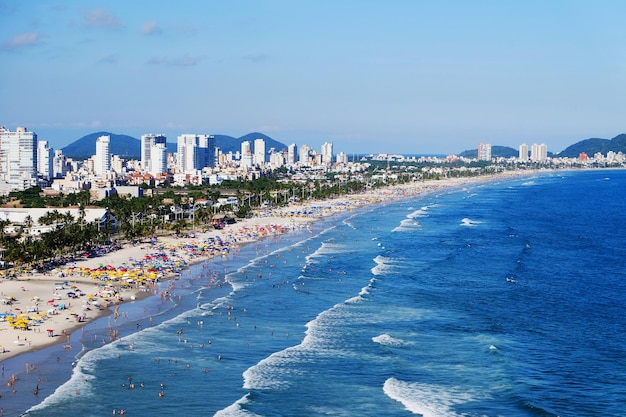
<point x="469" y="222"/>
<point x="426" y="400"/>
<point x="383" y="265"/>
<point x="387" y="340"/>
<point x="423" y="211"/>
<point x="407" y="225"/>
<point x="361" y="295"/>
<point x="410" y="223"/>
<point x="236" y="409"/>
<point x="323" y="338"/>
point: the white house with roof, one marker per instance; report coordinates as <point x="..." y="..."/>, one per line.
<point x="19" y="217"/>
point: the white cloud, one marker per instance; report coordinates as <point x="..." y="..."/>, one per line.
<point x="183" y="61"/>
<point x="21" y="40"/>
<point x="100" y="18"/>
<point x="151" y="28"/>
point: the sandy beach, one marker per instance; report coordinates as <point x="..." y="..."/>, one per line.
<point x="41" y="309"/>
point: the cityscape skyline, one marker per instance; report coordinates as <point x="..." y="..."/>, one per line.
<point x="402" y="77"/>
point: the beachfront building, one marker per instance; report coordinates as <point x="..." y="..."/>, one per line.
<point x="304" y="155"/>
<point x="523" y="153"/>
<point x="59" y="164"/>
<point x="102" y="159"/>
<point x="148" y="141"/>
<point x="342" y="158"/>
<point x="246" y="155"/>
<point x="29" y="219"/>
<point x="327" y="153"/>
<point x="259" y="152"/>
<point x="158" y="159"/>
<point x="484" y="152"/>
<point x="538" y="153"/>
<point x="45" y="160"/>
<point x="18" y="159"/>
<point x="292" y="154"/>
<point x="195" y="152"/>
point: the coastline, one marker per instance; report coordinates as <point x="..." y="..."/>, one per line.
<point x="264" y="224"/>
<point x="37" y="291"/>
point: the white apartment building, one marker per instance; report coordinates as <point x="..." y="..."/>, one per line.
<point x="158" y="159"/>
<point x="102" y="159"/>
<point x="303" y="155"/>
<point x="539" y="153"/>
<point x="246" y="155"/>
<point x="45" y="160"/>
<point x="327" y="153"/>
<point x="523" y="153"/>
<point x="342" y="158"/>
<point x="59" y="164"/>
<point x="147" y="142"/>
<point x="18" y="159"/>
<point x="259" y="152"/>
<point x="484" y="152"/>
<point x="195" y="152"/>
<point x="292" y="154"/>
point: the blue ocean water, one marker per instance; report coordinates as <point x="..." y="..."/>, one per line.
<point x="500" y="298"/>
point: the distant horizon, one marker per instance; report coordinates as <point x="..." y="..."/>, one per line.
<point x="58" y="143"/>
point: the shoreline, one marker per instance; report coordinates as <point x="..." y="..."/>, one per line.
<point x="83" y="272"/>
<point x="38" y="286"/>
<point x="42" y="351"/>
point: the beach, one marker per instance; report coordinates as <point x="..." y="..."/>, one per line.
<point x="58" y="302"/>
<point x="114" y="279"/>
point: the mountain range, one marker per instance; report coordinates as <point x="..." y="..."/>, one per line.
<point x="128" y="147"/>
<point x="588" y="146"/>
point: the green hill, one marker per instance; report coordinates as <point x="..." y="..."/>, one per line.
<point x="594" y="145"/>
<point x="125" y="146"/>
<point x="129" y="147"/>
<point x="496" y="152"/>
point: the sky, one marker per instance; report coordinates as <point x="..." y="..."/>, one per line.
<point x="385" y="76"/>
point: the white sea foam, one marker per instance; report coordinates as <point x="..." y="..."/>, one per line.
<point x="469" y="222"/>
<point x="407" y="225"/>
<point x="423" y="211"/>
<point x="322" y="339"/>
<point x="383" y="265"/>
<point x="388" y="340"/>
<point x="426" y="400"/>
<point x="361" y="295"/>
<point x="81" y="380"/>
<point x="236" y="409"/>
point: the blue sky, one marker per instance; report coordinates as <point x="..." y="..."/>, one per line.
<point x="369" y="76"/>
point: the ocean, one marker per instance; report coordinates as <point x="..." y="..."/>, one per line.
<point x="497" y="298"/>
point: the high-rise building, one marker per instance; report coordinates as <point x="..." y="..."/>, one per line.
<point x="18" y="159"/>
<point x="45" y="160"/>
<point x="158" y="159"/>
<point x="523" y="153"/>
<point x="292" y="154"/>
<point x="303" y="155"/>
<point x="195" y="152"/>
<point x="147" y="142"/>
<point x="59" y="165"/>
<point x="342" y="158"/>
<point x="484" y="152"/>
<point x="538" y="153"/>
<point x="246" y="155"/>
<point x="102" y="159"/>
<point x="327" y="153"/>
<point x="259" y="152"/>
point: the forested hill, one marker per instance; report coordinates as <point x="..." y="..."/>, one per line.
<point x="128" y="147"/>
